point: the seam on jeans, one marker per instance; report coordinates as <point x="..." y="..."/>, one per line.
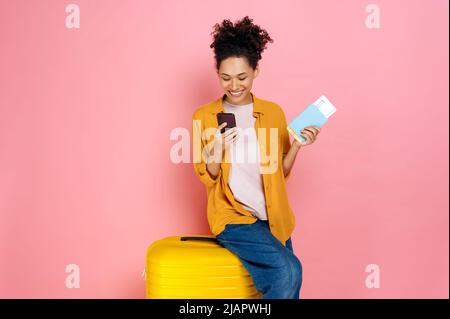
<point x="290" y="271"/>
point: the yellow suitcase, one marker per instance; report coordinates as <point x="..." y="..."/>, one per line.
<point x="195" y="267"/>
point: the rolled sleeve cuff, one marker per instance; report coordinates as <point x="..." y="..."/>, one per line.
<point x="205" y="177"/>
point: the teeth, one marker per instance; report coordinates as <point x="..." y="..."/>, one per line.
<point x="236" y="93"/>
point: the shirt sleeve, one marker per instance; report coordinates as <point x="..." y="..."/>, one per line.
<point x="198" y="147"/>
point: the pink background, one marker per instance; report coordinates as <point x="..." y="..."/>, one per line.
<point x="86" y="116"/>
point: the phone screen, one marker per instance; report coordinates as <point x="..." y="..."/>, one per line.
<point x="226" y="117"/>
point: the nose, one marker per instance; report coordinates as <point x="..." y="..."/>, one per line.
<point x="234" y="85"/>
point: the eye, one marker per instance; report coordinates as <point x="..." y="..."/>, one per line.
<point x="229" y="79"/>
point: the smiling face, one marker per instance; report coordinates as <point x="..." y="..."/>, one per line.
<point x="236" y="76"/>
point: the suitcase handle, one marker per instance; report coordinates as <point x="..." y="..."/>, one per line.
<point x="184" y="238"/>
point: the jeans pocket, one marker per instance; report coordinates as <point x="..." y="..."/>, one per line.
<point x="289" y="245"/>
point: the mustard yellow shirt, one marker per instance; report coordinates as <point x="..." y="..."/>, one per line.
<point x="274" y="144"/>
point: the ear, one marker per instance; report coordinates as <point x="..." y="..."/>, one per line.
<point x="256" y="72"/>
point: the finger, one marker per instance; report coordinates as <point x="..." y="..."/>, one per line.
<point x="308" y="133"/>
<point x="218" y="135"/>
<point x="230" y="137"/>
<point x="307" y="138"/>
<point x="230" y="131"/>
<point x="235" y="138"/>
<point x="312" y="138"/>
<point x="305" y="141"/>
<point x="312" y="129"/>
<point x="232" y="141"/>
<point x="316" y="129"/>
<point x="220" y="127"/>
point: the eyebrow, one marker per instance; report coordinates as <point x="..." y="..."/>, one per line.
<point x="238" y="74"/>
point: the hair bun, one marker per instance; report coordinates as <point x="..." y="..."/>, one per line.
<point x="241" y="39"/>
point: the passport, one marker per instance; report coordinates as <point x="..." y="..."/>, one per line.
<point x="315" y="114"/>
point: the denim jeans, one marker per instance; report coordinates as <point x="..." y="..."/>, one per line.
<point x="275" y="270"/>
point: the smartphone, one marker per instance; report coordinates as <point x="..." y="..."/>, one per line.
<point x="226" y="117"/>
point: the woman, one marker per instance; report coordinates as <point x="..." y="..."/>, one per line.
<point x="248" y="209"/>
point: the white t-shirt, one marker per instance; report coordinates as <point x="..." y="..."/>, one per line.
<point x="245" y="178"/>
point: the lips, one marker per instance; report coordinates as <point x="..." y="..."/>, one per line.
<point x="238" y="93"/>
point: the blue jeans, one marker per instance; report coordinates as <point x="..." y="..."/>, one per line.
<point x="275" y="270"/>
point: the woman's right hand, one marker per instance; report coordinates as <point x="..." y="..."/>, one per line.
<point x="223" y="141"/>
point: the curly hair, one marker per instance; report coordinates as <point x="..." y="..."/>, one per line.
<point x="243" y="39"/>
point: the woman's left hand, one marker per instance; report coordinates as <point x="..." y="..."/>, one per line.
<point x="310" y="134"/>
